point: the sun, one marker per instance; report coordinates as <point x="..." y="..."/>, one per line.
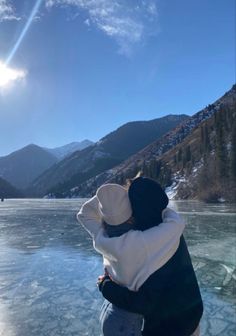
<point x="9" y="75"/>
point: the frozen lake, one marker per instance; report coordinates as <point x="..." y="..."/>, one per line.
<point x="48" y="268"/>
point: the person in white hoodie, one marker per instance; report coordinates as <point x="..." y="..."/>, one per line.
<point x="130" y="256"/>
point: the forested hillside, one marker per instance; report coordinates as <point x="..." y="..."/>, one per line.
<point x="204" y="165"/>
<point x="195" y="160"/>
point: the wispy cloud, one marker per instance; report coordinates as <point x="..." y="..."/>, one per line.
<point x="128" y="22"/>
<point x="7" y="11"/>
<point x="9" y="76"/>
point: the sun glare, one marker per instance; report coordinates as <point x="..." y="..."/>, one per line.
<point x="9" y="75"/>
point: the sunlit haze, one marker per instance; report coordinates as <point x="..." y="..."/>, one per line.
<point x="9" y="75"/>
<point x="75" y="70"/>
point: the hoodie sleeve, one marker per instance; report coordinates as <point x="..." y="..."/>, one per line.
<point x="135" y="302"/>
<point x="156" y="242"/>
<point x="89" y="216"/>
<point x="167" y="233"/>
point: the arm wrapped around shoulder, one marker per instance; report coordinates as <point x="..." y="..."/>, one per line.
<point x="166" y="234"/>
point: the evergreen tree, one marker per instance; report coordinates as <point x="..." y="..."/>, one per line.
<point x="188" y="153"/>
<point x="233" y="152"/>
<point x="154" y="169"/>
<point x="165" y="176"/>
<point x="144" y="169"/>
<point x="175" y="159"/>
<point x="202" y="140"/>
<point x="206" y="139"/>
<point x="180" y="154"/>
<point x="186" y="156"/>
<point x="221" y="150"/>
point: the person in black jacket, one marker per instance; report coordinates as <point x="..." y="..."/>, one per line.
<point x="169" y="299"/>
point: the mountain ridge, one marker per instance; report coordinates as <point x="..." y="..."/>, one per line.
<point x="106" y="153"/>
<point x="20" y="167"/>
<point x="65" y="150"/>
<point x="23" y="165"/>
<point x="8" y="191"/>
<point x="154" y="151"/>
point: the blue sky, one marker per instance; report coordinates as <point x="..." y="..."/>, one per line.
<point x="82" y="68"/>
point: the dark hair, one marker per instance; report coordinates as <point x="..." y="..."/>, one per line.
<point x="148" y="200"/>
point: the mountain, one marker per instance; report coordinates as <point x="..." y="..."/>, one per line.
<point x="105" y="154"/>
<point x="21" y="167"/>
<point x="63" y="151"/>
<point x="8" y="191"/>
<point x="204" y="165"/>
<point x="195" y="160"/>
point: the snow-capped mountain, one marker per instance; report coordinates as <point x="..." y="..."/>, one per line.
<point x="63" y="151"/>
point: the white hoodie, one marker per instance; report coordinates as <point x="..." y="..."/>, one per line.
<point x="131" y="258"/>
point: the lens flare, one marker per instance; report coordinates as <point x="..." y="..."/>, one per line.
<point x="24" y="31"/>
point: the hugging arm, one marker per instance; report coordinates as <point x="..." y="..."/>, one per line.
<point x="167" y="233"/>
<point x="135" y="302"/>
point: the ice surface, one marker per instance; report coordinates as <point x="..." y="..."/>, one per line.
<point x="48" y="268"/>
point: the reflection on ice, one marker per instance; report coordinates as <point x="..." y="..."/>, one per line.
<point x="48" y="268"/>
